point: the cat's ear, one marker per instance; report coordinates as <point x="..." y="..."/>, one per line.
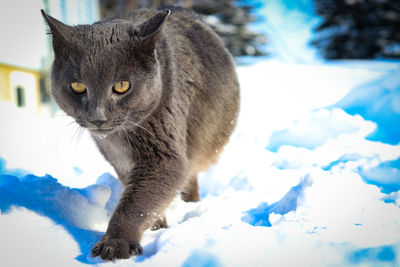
<point x="60" y="32"/>
<point x="151" y="28"/>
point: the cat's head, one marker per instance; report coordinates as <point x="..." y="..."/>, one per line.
<point x="107" y="75"/>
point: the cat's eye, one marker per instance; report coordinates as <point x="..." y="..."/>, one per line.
<point x="79" y="88"/>
<point x="121" y="87"/>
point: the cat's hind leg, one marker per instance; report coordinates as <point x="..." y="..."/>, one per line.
<point x="190" y="192"/>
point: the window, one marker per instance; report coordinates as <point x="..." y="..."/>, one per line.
<point x="21" y="99"/>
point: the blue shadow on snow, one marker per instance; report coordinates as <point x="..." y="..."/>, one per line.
<point x="47" y="197"/>
<point x="386" y="175"/>
<point x="260" y="215"/>
<point x="200" y="258"/>
<point x="379" y="102"/>
<point x="376" y="254"/>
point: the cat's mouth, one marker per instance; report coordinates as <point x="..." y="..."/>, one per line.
<point x="101" y="131"/>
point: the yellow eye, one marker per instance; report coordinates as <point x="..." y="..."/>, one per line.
<point x="78" y="87"/>
<point x="121" y="87"/>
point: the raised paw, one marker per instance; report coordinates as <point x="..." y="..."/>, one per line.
<point x="116" y="248"/>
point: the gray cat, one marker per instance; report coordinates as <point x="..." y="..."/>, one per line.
<point x="159" y="94"/>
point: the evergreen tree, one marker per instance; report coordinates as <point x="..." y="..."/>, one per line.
<point x="228" y="18"/>
<point x="358" y="28"/>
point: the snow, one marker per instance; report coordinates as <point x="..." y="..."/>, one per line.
<point x="304" y="181"/>
<point x="26" y="240"/>
<point x="55" y="139"/>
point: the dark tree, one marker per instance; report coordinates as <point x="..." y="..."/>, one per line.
<point x="358" y="28"/>
<point x="228" y="18"/>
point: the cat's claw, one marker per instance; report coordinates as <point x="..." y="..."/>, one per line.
<point x="116" y="248"/>
<point x="97" y="249"/>
<point x="135" y="248"/>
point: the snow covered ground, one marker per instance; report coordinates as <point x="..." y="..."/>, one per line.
<point x="311" y="177"/>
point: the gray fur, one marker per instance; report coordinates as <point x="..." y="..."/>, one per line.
<point x="173" y="121"/>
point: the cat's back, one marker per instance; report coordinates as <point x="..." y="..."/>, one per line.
<point x="207" y="72"/>
<point x="186" y="34"/>
<point x="191" y="37"/>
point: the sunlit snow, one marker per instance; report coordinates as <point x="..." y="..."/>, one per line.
<point x="304" y="181"/>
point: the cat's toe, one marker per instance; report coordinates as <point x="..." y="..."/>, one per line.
<point x="109" y="252"/>
<point x="116" y="248"/>
<point x="135" y="248"/>
<point x="96" y="250"/>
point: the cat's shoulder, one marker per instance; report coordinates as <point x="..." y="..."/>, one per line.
<point x="140" y="15"/>
<point x="180" y="11"/>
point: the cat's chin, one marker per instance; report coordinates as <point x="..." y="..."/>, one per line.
<point x="101" y="133"/>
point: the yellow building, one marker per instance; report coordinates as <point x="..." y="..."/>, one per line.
<point x="20" y="86"/>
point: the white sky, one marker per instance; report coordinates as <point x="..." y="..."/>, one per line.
<point x="23" y="33"/>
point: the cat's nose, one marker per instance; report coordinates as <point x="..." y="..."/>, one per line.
<point x="97" y="114"/>
<point x="98" y="123"/>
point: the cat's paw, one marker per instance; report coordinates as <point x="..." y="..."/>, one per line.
<point x="160" y="223"/>
<point x="116" y="248"/>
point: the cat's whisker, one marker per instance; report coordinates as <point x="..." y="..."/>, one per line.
<point x="62" y="128"/>
<point x="57" y="135"/>
<point x="124" y="135"/>
<point x="137" y="136"/>
<point x="76" y="134"/>
<point x="141" y="127"/>
<point x="131" y="141"/>
<point x="80" y="133"/>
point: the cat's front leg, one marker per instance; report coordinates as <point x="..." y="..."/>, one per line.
<point x="145" y="198"/>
